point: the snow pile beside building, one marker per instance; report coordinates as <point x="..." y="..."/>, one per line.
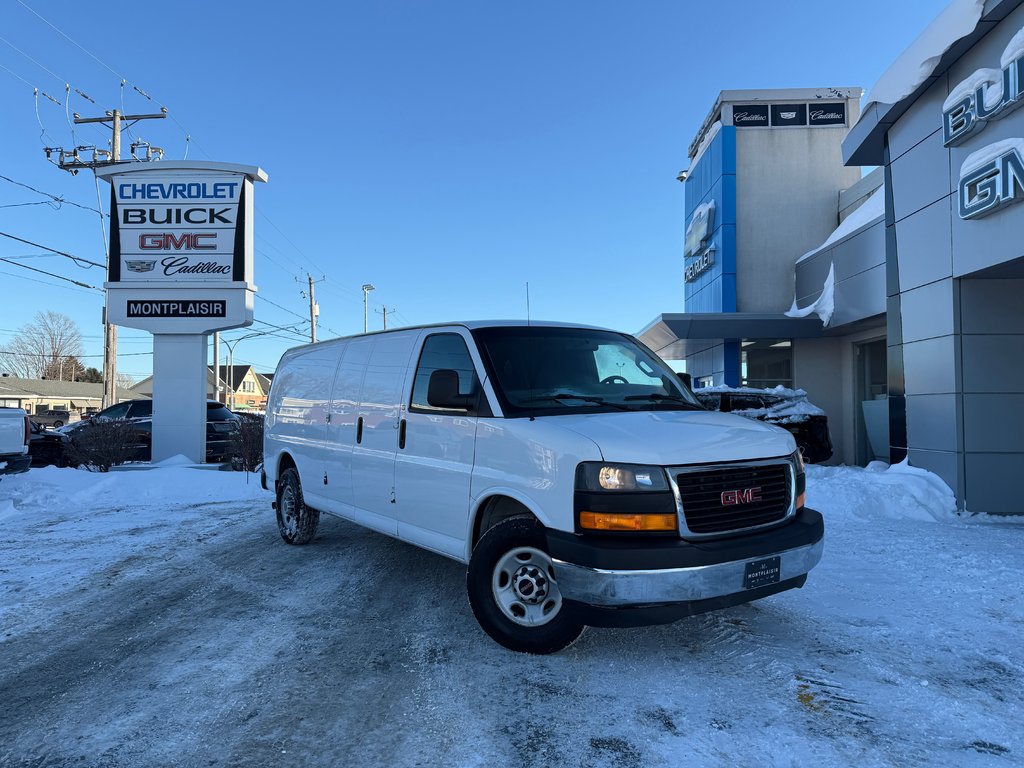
<point x="880" y="492"/>
<point x="917" y="63"/>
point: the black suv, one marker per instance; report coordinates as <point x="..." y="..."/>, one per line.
<point x="221" y="427"/>
<point x="786" y="408"/>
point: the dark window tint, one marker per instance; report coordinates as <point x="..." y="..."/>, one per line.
<point x="218" y="412"/>
<point x="746" y="402"/>
<point x="443" y="351"/>
<point x="119" y="411"/>
<point x="143" y="409"/>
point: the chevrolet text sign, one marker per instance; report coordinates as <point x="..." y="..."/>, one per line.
<point x="165" y="228"/>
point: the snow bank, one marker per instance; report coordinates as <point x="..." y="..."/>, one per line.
<point x="880" y="492"/>
<point x="825" y="304"/>
<point x="869" y="210"/>
<point x="917" y="63"/>
<point x="63" y="491"/>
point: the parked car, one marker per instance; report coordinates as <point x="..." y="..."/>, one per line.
<point x="786" y="408"/>
<point x="57" y="417"/>
<point x="47" y="446"/>
<point x="221" y="427"/>
<point x="577" y="477"/>
<point x="14" y="434"/>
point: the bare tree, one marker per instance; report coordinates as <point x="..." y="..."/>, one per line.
<point x="124" y="381"/>
<point x="44" y="347"/>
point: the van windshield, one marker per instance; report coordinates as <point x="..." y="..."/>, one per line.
<point x="541" y="370"/>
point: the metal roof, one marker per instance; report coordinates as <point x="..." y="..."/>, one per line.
<point x="669" y="335"/>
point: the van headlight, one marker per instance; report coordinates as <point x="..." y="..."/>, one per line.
<point x="600" y="476"/>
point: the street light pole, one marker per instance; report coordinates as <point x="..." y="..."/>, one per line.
<point x="366" y="316"/>
<point x="231" y="344"/>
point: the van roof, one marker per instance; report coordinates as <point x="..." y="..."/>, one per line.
<point x="469" y="324"/>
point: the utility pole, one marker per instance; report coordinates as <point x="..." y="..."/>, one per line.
<point x="73" y="163"/>
<point x="384" y="311"/>
<point x="216" y="366"/>
<point x="314" y="308"/>
<point x="366" y="295"/>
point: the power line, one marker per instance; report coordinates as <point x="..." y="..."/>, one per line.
<point x="275" y="304"/>
<point x="54" y="198"/>
<point x="45" y="282"/>
<point x="77" y="259"/>
<point x="50" y="274"/>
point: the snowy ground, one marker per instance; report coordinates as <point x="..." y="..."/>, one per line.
<point x="135" y="631"/>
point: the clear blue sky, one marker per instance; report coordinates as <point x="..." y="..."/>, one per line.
<point x="447" y="152"/>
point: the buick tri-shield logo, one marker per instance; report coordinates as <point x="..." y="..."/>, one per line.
<point x="140" y="265"/>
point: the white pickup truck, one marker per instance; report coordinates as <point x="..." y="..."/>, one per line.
<point x="14" y="437"/>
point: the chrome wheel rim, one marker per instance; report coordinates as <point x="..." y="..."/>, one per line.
<point x="525" y="588"/>
<point x="289" y="508"/>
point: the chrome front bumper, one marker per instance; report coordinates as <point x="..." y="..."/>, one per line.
<point x="612" y="589"/>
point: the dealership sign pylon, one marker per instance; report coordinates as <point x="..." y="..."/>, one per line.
<point x="180" y="267"/>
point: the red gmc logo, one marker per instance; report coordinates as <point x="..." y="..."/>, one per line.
<point x="745" y="496"/>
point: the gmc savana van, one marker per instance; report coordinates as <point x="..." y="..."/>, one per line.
<point x="569" y="467"/>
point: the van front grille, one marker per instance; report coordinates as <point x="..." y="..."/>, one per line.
<point x="736" y="497"/>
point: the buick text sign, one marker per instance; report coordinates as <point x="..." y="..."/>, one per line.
<point x="179" y="308"/>
<point x="170" y="228"/>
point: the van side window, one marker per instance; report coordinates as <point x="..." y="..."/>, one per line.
<point x="443" y="351"/>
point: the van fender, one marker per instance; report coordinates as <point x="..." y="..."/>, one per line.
<point x="481" y="501"/>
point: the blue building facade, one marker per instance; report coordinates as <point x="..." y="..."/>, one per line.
<point x="712" y="179"/>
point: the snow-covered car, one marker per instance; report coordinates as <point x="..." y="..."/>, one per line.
<point x="786" y="408"/>
<point x="14" y="434"/>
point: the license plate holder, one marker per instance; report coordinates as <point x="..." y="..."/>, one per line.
<point x="761" y="573"/>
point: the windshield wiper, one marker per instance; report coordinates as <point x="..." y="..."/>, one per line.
<point x="658" y="397"/>
<point x="585" y="398"/>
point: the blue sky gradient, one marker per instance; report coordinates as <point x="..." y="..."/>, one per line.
<point x="446" y="152"/>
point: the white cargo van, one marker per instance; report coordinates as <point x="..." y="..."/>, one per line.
<point x="575" y="474"/>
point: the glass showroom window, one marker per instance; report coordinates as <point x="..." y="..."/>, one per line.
<point x="766" y="363"/>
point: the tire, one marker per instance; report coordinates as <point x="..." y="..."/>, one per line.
<point x="295" y="521"/>
<point x="58" y="424"/>
<point x="513" y="591"/>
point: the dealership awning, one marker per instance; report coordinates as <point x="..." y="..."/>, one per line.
<point x="674" y="336"/>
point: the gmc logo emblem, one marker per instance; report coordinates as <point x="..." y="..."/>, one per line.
<point x="187" y="241"/>
<point x="745" y="496"/>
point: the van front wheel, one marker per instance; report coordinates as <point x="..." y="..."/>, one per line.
<point x="296" y="522"/>
<point x="513" y="590"/>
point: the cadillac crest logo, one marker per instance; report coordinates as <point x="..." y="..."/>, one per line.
<point x="140" y="265"/>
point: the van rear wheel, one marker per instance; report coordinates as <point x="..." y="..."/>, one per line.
<point x="513" y="590"/>
<point x="296" y="522"/>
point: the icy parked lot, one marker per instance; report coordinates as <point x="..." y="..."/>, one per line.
<point x="155" y="618"/>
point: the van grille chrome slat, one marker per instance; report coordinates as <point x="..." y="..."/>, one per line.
<point x="725" y="499"/>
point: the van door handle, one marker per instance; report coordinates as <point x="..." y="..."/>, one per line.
<point x="401" y="434"/>
<point x="359" y="429"/>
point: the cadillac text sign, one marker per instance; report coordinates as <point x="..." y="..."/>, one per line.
<point x="166" y="227"/>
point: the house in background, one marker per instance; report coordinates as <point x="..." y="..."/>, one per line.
<point x="248" y="388"/>
<point x="40" y="395"/>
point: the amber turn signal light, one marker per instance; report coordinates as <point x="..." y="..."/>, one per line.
<point x="605" y="521"/>
<point x="800" y="500"/>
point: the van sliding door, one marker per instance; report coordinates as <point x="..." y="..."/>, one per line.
<point x="376" y="433"/>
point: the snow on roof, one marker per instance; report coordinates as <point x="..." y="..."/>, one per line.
<point x="870" y="210"/>
<point x="705" y="142"/>
<point x="917" y="63"/>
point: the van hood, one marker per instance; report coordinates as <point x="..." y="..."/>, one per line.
<point x="670" y="438"/>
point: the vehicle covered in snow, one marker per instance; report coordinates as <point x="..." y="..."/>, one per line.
<point x="14" y="439"/>
<point x="572" y="471"/>
<point x="786" y="408"/>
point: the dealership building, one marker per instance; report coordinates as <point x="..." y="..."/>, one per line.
<point x="876" y="259"/>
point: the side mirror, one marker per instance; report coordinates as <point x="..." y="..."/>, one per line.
<point x="443" y="391"/>
<point x="686" y="378"/>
